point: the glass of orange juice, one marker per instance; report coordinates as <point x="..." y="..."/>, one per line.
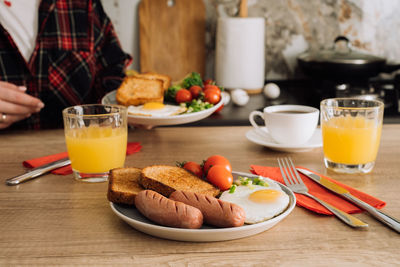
<point x="351" y="132"/>
<point x="96" y="138"/>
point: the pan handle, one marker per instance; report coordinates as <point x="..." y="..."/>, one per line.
<point x="389" y="68"/>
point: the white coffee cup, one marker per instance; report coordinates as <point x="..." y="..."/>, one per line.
<point x="288" y="124"/>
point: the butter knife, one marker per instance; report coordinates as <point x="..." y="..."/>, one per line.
<point x="384" y="218"/>
<point x="36" y="172"/>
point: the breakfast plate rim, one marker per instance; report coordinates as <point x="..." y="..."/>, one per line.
<point x="254" y="136"/>
<point x="209" y="234"/>
<point x="158" y="120"/>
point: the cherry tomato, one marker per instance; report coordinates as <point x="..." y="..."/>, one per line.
<point x="216" y="160"/>
<point x="208" y="81"/>
<point x="219" y="176"/>
<point x="183" y="95"/>
<point x="219" y="109"/>
<point x="212" y="87"/>
<point x="194" y="168"/>
<point x="212" y="96"/>
<point x="195" y="90"/>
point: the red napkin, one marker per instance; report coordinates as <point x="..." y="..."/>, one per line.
<point x="131" y="148"/>
<point x="320" y="192"/>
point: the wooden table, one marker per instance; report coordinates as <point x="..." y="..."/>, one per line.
<point x="57" y="220"/>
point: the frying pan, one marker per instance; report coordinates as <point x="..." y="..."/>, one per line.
<point x="343" y="63"/>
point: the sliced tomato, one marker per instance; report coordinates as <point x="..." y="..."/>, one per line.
<point x="183" y="95"/>
<point x="216" y="160"/>
<point x="219" y="176"/>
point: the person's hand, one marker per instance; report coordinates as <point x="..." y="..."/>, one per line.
<point x="15" y="104"/>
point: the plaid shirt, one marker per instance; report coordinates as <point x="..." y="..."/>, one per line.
<point x="76" y="60"/>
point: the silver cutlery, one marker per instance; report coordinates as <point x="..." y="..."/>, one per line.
<point x="36" y="172"/>
<point x="384" y="218"/>
<point x="296" y="184"/>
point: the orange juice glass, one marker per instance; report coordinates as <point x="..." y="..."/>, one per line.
<point x="351" y="132"/>
<point x="96" y="139"/>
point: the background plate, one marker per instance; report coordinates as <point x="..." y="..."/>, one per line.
<point x="205" y="234"/>
<point x="170" y="120"/>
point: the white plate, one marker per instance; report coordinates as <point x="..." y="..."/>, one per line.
<point x="206" y="233"/>
<point x="262" y="137"/>
<point x="170" y="120"/>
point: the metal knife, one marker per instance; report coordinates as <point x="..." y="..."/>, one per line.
<point x="38" y="171"/>
<point x="384" y="218"/>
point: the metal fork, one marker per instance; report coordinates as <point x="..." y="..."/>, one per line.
<point x="296" y="184"/>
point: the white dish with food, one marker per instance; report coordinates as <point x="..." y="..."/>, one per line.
<point x="261" y="137"/>
<point x="206" y="233"/>
<point x="160" y="119"/>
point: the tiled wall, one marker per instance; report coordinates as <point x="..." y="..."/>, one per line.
<point x="292" y="26"/>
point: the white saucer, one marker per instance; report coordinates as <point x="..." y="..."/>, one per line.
<point x="262" y="137"/>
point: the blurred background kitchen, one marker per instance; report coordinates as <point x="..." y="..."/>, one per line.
<point x="291" y="28"/>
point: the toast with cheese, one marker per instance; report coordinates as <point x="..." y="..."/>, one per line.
<point x="123" y="185"/>
<point x="137" y="91"/>
<point x="167" y="179"/>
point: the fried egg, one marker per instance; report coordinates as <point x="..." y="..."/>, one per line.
<point x="260" y="203"/>
<point x="156" y="109"/>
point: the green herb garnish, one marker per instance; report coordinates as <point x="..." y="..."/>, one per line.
<point x="170" y="93"/>
<point x="196" y="105"/>
<point x="249" y="182"/>
<point x="193" y="79"/>
<point x="232" y="189"/>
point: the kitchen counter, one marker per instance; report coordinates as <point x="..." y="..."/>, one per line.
<point x="292" y="92"/>
<point x="55" y="220"/>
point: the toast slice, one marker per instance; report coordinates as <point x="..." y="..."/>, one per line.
<point x="167" y="179"/>
<point x="156" y="76"/>
<point x="137" y="91"/>
<point x="123" y="185"/>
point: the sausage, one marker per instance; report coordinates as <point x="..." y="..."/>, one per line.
<point x="215" y="211"/>
<point x="164" y="211"/>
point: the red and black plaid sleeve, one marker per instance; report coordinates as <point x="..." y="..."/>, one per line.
<point x="77" y="59"/>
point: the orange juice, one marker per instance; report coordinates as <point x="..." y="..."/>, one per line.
<point x="96" y="149"/>
<point x="351" y="140"/>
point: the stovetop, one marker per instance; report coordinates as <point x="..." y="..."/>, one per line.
<point x="310" y="92"/>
